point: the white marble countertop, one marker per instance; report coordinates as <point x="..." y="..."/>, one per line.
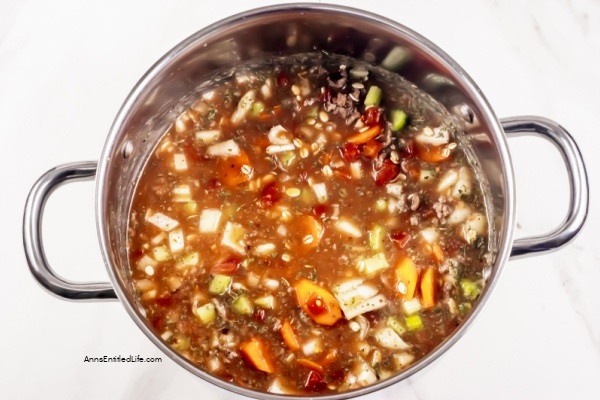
<point x="65" y="69"/>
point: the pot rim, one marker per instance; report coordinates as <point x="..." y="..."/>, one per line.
<point x="504" y="245"/>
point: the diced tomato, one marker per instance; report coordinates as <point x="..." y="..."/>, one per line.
<point x="283" y="79"/>
<point x="228" y="266"/>
<point x="400" y="238"/>
<point x="387" y="173"/>
<point x="350" y="152"/>
<point x="165" y="300"/>
<point x="408" y="150"/>
<point x="316" y="305"/>
<point x="321" y="210"/>
<point x="325" y="96"/>
<point x="372" y="148"/>
<point x="315" y="382"/>
<point x="270" y="194"/>
<point x="372" y="116"/>
<point x="213" y="183"/>
<point x="260" y="314"/>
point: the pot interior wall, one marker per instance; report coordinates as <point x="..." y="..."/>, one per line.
<point x="169" y="87"/>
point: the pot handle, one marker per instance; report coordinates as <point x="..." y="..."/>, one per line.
<point x="32" y="235"/>
<point x="578" y="183"/>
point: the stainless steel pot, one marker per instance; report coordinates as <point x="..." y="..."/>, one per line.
<point x="168" y="87"/>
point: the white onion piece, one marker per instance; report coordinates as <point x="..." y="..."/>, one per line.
<point x="312" y="346"/>
<point x="244" y="105"/>
<point x="450" y="178"/>
<point x="209" y="220"/>
<point x="365" y="306"/>
<point x="232" y="237"/>
<point x="180" y="162"/>
<point x="176" y="240"/>
<point x="320" y="192"/>
<point x="278" y="135"/>
<point x="394" y="189"/>
<point x="411" y="306"/>
<point x="402" y="360"/>
<point x="430" y="234"/>
<point x="435" y="137"/>
<point x="389" y="339"/>
<point x="264" y="249"/>
<point x="162" y="221"/>
<point x="365" y="374"/>
<point x="280" y="148"/>
<point x="277" y="386"/>
<point x="463" y="185"/>
<point x="348" y="227"/>
<point x="228" y="148"/>
<point x="208" y="136"/>
<point x="477" y="223"/>
<point x="459" y="214"/>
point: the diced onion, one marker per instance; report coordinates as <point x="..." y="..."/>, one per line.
<point x="209" y="220"/>
<point x="264" y="249"/>
<point x="312" y="346"/>
<point x="356" y="169"/>
<point x="449" y="179"/>
<point x="162" y="221"/>
<point x="402" y="360"/>
<point x="394" y="189"/>
<point x="244" y="105"/>
<point x="373" y="265"/>
<point x="463" y="183"/>
<point x="430" y="234"/>
<point x="320" y="192"/>
<point x="281" y="148"/>
<point x="180" y="162"/>
<point x="348" y="227"/>
<point x="176" y="240"/>
<point x="208" y="136"/>
<point x="278" y="135"/>
<point x="228" y="148"/>
<point x="411" y="306"/>
<point x="232" y="237"/>
<point x="460" y="214"/>
<point x="389" y="339"/>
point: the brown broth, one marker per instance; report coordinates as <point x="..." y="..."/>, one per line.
<point x="290" y="234"/>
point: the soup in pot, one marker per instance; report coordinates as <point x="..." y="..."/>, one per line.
<point x="309" y="228"/>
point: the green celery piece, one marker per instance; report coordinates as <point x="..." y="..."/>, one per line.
<point x="471" y="290"/>
<point x="219" y="284"/>
<point x="373" y="97"/>
<point x="413" y="322"/>
<point x="242" y="305"/>
<point x="399" y="119"/>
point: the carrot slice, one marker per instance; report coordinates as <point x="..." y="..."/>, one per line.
<point x="306" y="234"/>
<point x="230" y="170"/>
<point x="428" y="287"/>
<point x="305" y="362"/>
<point x="364" y="137"/>
<point x="255" y="352"/>
<point x="317" y="302"/>
<point x="289" y="337"/>
<point x="407" y="273"/>
<point x="372" y="148"/>
<point x="431" y="154"/>
<point x="329" y="357"/>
